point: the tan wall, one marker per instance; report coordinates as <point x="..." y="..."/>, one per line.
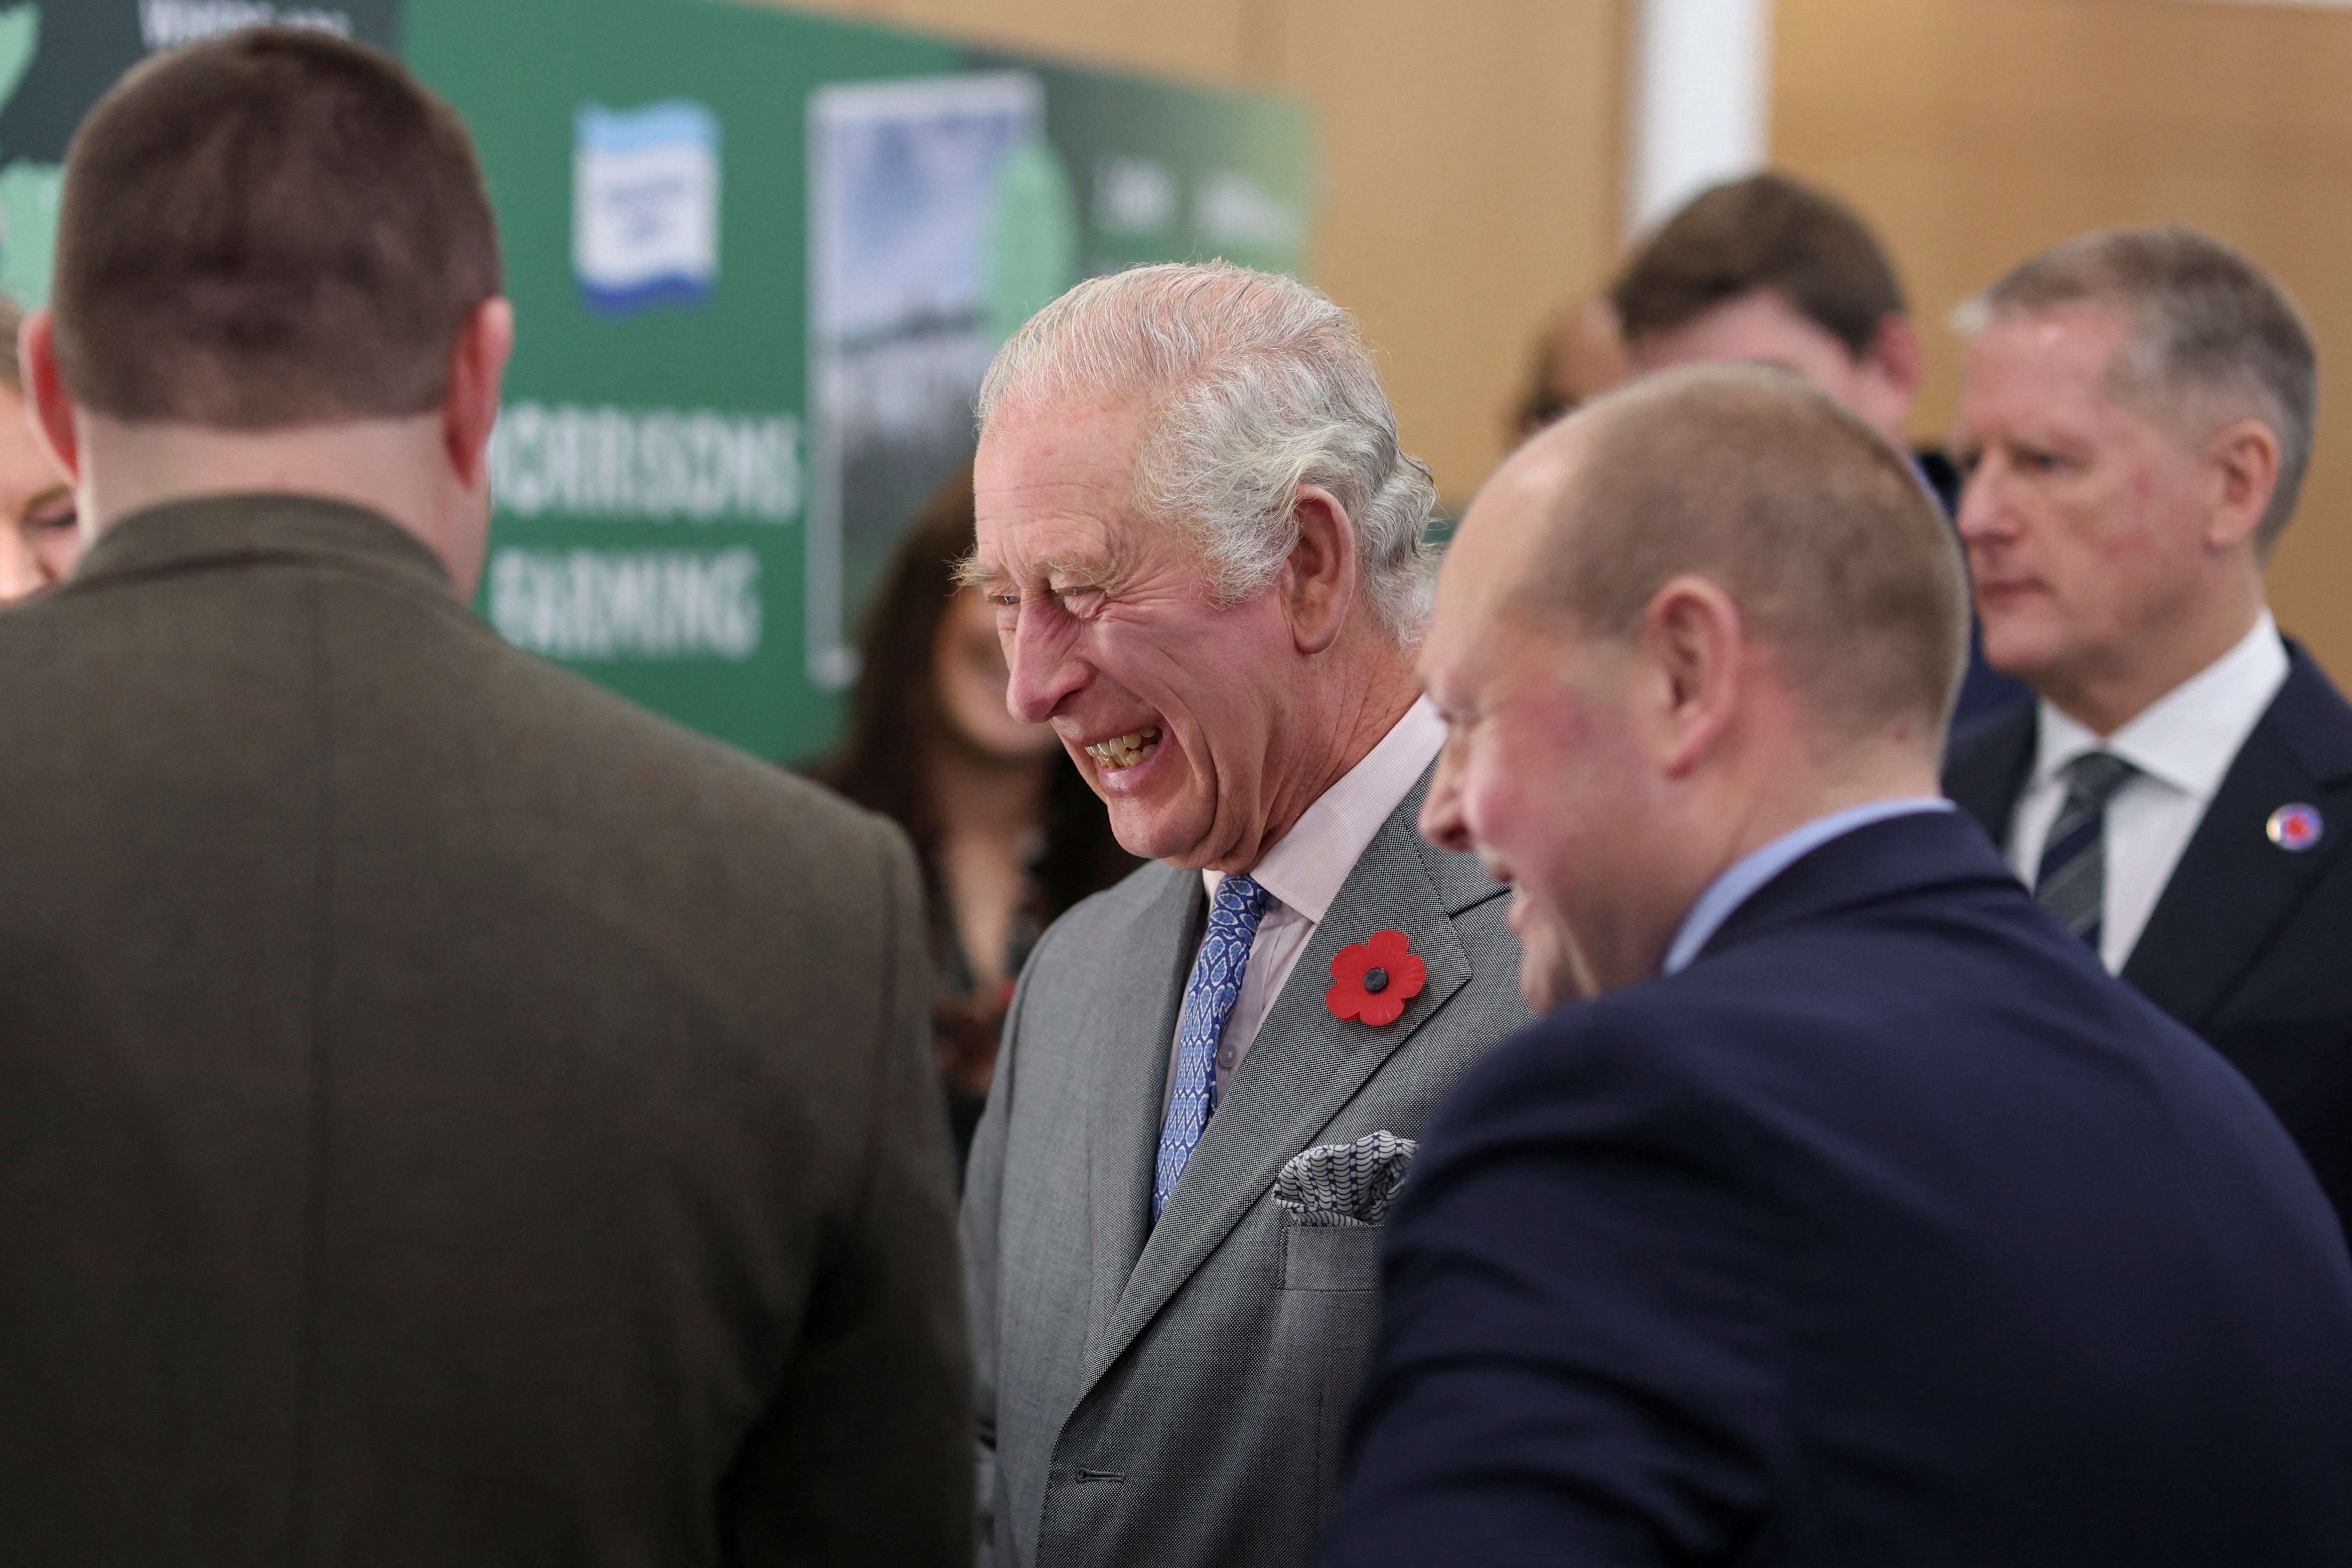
<point x="1470" y="157"/>
<point x="1974" y="132"/>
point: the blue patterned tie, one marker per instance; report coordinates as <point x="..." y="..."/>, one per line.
<point x="1208" y="1001"/>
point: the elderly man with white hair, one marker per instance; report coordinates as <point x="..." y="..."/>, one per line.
<point x="1205" y="548"/>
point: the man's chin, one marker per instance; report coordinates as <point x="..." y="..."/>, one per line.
<point x="1547" y="971"/>
<point x="1535" y="986"/>
<point x="1551" y="975"/>
<point x="1153" y="835"/>
<point x="2015" y="647"/>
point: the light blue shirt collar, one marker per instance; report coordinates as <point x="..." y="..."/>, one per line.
<point x="1727" y="893"/>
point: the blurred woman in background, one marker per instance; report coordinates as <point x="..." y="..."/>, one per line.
<point x="39" y="541"/>
<point x="1007" y="832"/>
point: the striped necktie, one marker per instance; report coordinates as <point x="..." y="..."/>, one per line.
<point x="2073" y="880"/>
<point x="1209" y="999"/>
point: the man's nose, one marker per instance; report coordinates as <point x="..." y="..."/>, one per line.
<point x="20" y="565"/>
<point x="1042" y="666"/>
<point x="1984" y="510"/>
<point x="1441" y="821"/>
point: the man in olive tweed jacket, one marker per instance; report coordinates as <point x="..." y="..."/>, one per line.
<point x="448" y="1115"/>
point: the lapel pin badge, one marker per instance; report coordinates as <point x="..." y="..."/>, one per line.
<point x="1374" y="980"/>
<point x="2294" y="828"/>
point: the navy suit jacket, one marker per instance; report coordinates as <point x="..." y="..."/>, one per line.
<point x="2249" y="944"/>
<point x="1891" y="1231"/>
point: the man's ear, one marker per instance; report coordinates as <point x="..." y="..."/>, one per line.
<point x="1318" y="581"/>
<point x="471" y="410"/>
<point x="2244" y="456"/>
<point x="46" y="398"/>
<point x="1894" y="368"/>
<point x="1695" y="645"/>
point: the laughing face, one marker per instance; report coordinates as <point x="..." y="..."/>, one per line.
<point x="1544" y="775"/>
<point x="1175" y="707"/>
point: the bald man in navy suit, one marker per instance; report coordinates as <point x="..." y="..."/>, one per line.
<point x="1858" y="1216"/>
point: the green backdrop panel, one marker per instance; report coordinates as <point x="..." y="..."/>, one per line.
<point x="759" y="260"/>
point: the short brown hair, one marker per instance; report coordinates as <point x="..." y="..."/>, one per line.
<point x="2214" y="337"/>
<point x="1820" y="531"/>
<point x="1764" y="232"/>
<point x="274" y="227"/>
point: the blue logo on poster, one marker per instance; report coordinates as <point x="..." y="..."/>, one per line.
<point x="644" y="207"/>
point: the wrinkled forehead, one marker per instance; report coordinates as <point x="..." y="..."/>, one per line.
<point x="1055" y="483"/>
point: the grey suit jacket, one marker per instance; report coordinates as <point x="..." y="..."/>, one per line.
<point x="447" y="1115"/>
<point x="1177" y="1394"/>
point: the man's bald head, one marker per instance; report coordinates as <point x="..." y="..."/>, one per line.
<point x="1706" y="609"/>
<point x="1752" y="478"/>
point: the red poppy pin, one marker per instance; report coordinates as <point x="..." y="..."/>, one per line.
<point x="1376" y="978"/>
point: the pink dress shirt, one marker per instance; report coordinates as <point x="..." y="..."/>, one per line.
<point x="1302" y="873"/>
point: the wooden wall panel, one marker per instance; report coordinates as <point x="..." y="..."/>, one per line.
<point x="1974" y="132"/>
<point x="1473" y="158"/>
<point x="1470" y="155"/>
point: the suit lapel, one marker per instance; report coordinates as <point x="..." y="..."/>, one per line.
<point x="2233" y="887"/>
<point x="1124" y="1119"/>
<point x="1989" y="763"/>
<point x="1303" y="1067"/>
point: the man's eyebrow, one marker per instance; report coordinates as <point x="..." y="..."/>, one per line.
<point x="44" y="501"/>
<point x="973" y="572"/>
<point x="1071" y="573"/>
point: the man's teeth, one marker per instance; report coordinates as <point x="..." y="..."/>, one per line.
<point x="1125" y="751"/>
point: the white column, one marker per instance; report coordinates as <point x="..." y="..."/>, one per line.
<point x="1701" y="100"/>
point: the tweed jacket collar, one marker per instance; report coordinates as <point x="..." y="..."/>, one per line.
<point x="217" y="531"/>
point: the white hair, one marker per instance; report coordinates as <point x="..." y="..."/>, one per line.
<point x="1252" y="384"/>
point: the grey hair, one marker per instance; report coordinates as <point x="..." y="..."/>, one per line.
<point x="1253" y="385"/>
<point x="2214" y="337"/>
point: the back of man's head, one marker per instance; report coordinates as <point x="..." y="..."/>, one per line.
<point x="1818" y="530"/>
<point x="1765" y="232"/>
<point x="276" y="227"/>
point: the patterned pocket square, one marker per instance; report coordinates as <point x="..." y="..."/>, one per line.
<point x="1345" y="1184"/>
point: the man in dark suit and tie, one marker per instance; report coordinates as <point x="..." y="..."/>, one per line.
<point x="2136" y="414"/>
<point x="1859" y="1215"/>
<point x="448" y="1115"/>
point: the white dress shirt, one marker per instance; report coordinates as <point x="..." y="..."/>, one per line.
<point x="2182" y="744"/>
<point x="1302" y="873"/>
